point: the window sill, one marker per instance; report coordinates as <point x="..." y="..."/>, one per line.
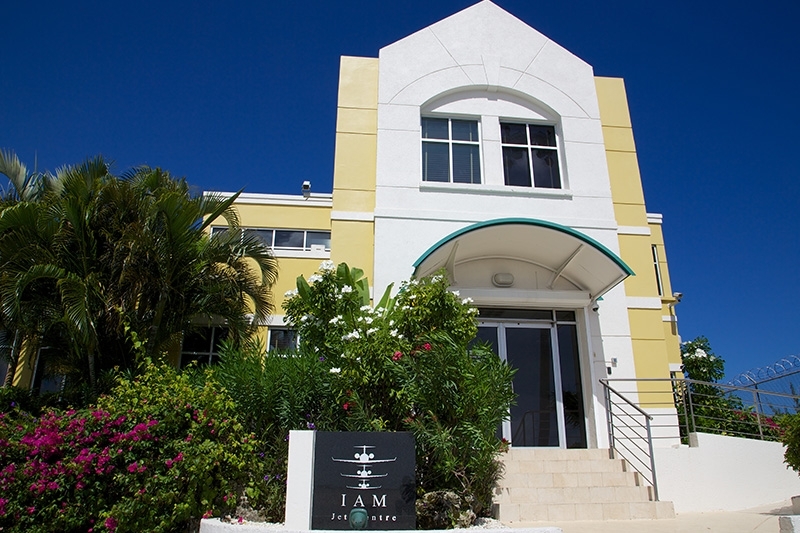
<point x="493" y="190"/>
<point x="304" y="254"/>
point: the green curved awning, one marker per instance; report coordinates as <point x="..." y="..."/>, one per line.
<point x="564" y="252"/>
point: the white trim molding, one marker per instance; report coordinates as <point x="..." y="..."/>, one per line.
<point x="357" y="216"/>
<point x="643" y="302"/>
<point x="633" y="230"/>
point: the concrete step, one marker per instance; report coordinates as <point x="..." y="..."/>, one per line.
<point x="573" y="495"/>
<point x="572" y="479"/>
<point x="536" y="512"/>
<point x="556" y="484"/>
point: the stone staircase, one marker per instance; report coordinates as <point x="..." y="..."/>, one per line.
<point x="551" y="484"/>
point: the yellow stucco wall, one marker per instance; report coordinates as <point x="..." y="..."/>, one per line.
<point x="354" y="168"/>
<point x="295" y="216"/>
<point x="655" y="342"/>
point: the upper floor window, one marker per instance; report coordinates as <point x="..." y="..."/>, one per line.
<point x="530" y="155"/>
<point x="450" y="150"/>
<point x="290" y="239"/>
<point x="657" y="266"/>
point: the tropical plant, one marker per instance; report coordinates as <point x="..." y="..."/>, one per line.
<point x="109" y="270"/>
<point x="407" y="365"/>
<point x="157" y="454"/>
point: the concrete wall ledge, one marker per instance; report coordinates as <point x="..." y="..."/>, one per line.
<point x="789" y="524"/>
<point x="213" y="525"/>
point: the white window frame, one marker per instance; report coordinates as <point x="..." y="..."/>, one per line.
<point x="530" y="150"/>
<point x="450" y="142"/>
<point x="657" y="266"/>
<point x="273" y="329"/>
<point x="307" y="250"/>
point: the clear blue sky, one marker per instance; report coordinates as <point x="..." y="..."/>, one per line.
<point x="243" y="95"/>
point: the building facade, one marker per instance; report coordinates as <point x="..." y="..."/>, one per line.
<point x="479" y="146"/>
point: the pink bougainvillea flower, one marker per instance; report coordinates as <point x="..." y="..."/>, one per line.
<point x="397" y="355"/>
<point x="427" y="346"/>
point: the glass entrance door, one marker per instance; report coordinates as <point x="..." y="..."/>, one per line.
<point x="549" y="409"/>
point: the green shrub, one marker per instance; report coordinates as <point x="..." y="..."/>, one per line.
<point x="155" y="455"/>
<point x="789" y="435"/>
<point x="406" y="365"/>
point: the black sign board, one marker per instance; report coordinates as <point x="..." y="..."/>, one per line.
<point x="363" y="481"/>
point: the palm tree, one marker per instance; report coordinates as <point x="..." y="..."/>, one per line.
<point x="97" y="262"/>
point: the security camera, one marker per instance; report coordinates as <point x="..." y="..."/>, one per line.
<point x="306" y="188"/>
<point x="677" y="295"/>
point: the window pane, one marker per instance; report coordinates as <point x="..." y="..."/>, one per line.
<point x="217" y="229"/>
<point x="197" y="341"/>
<point x="566" y="316"/>
<point x="322" y="238"/>
<point x="465" y="130"/>
<point x="435" y="162"/>
<point x="265" y="235"/>
<point x="515" y="166"/>
<point x="513" y="134"/>
<point x="288" y="239"/>
<point x="282" y="339"/>
<point x="434" y="128"/>
<point x="542" y="135"/>
<point x="545" y="169"/>
<point x="466" y="163"/>
<point x="220" y="334"/>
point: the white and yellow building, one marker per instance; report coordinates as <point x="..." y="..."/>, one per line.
<point x="480" y="146"/>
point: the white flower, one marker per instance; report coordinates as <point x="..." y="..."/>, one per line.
<point x="290" y="294"/>
<point x="366" y="308"/>
<point x="379" y="310"/>
<point x="352" y="335"/>
<point x="412" y="296"/>
<point x="304" y="318"/>
<point x="393" y="333"/>
<point x="391" y="322"/>
<point x="347" y="289"/>
<point x="314" y="278"/>
<point x="327" y="266"/>
<point x="466" y="301"/>
<point x="456" y="293"/>
<point x="370" y="331"/>
<point x="335" y="370"/>
<point x="335" y="320"/>
<point x="365" y="319"/>
<point x="699" y="353"/>
<point x="436" y="278"/>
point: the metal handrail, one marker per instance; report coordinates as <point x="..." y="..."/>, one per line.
<point x="631" y="456"/>
<point x="742" y="412"/>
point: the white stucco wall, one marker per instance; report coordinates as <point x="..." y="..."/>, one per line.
<point x="724" y="474"/>
<point x="485" y="64"/>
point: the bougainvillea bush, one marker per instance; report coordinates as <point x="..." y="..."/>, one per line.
<point x="407" y="364"/>
<point x="155" y="455"/>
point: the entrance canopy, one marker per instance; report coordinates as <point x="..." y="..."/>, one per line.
<point x="534" y="256"/>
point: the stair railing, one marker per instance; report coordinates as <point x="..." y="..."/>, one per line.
<point x="630" y="435"/>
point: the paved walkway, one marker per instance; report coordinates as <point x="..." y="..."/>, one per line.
<point x="760" y="519"/>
